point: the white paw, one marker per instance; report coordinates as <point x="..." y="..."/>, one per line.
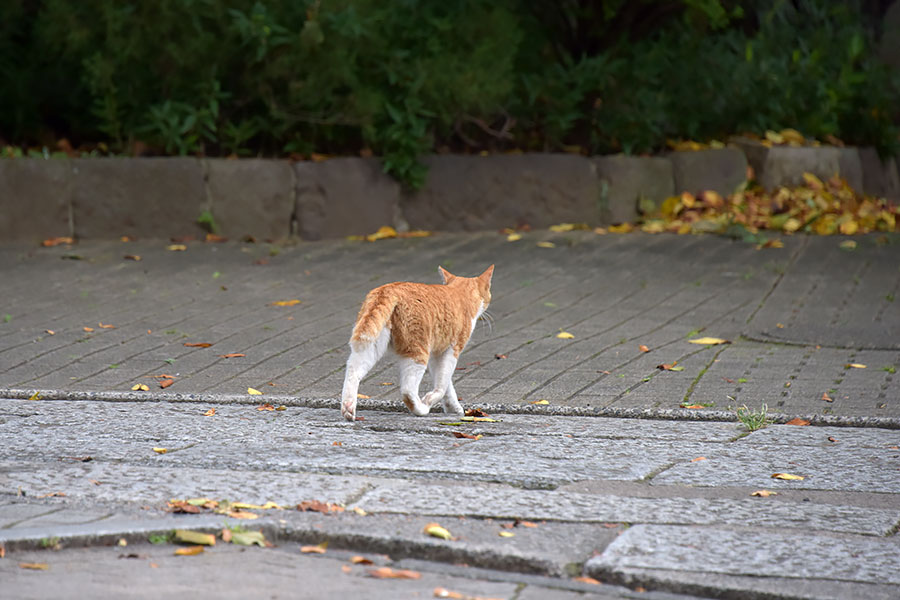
<point x="348" y="410"/>
<point x="432" y="398"/>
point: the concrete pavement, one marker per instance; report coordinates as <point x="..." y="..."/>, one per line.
<point x="661" y="504"/>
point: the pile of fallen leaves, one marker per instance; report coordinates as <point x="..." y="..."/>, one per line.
<point x="818" y="207"/>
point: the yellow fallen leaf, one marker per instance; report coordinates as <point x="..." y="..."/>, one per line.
<point x="764" y="493"/>
<point x="506" y="534"/>
<point x="382" y="233"/>
<point x="49" y="332"/>
<point x="317" y="549"/>
<point x="210" y="412"/>
<point x="586" y="579"/>
<point x="359" y="511"/>
<point x="435" y="530"/>
<point x="160" y="450"/>
<point x="293" y="302"/>
<point x="37" y="396"/>
<point x="600" y="231"/>
<point x="623" y="228"/>
<point x="35" y="566"/>
<point x="88" y="329"/>
<point x="855" y="366"/>
<point x="265" y="506"/>
<point x="362" y="396"/>
<point x="539" y="402"/>
<point x="389" y="573"/>
<point x="788" y="477"/>
<point x="254" y="392"/>
<point x="562" y="227"/>
<point x="564" y="335"/>
<point x="189" y="551"/>
<point x="176" y="247"/>
<point x="643" y="348"/>
<point x="195" y="538"/>
<point x="848" y="245"/>
<point x="242" y="514"/>
<point x="709" y="341"/>
<point x="546" y="245"/>
<point x="514" y="237"/>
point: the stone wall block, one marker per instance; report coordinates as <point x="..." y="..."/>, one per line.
<point x="624" y="180"/>
<point x="721" y="170"/>
<point x="34" y="199"/>
<point x="147" y="197"/>
<point x="785" y="165"/>
<point x="880" y="177"/>
<point x="470" y="193"/>
<point x="251" y="197"/>
<point x="343" y="196"/>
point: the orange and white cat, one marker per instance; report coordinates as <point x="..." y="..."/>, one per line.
<point x="427" y="326"/>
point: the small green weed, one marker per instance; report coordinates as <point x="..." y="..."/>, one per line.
<point x="753" y="420"/>
<point x="51" y="543"/>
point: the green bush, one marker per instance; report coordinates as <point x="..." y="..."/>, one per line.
<point x="408" y="77"/>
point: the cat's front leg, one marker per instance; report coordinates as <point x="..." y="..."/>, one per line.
<point x="443" y="365"/>
<point x="450" y="401"/>
<point x="411" y="373"/>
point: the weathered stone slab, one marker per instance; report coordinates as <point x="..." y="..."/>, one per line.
<point x="251" y="197"/>
<point x="663" y="553"/>
<point x="343" y="196"/>
<point x="880" y="177"/>
<point x="150" y="197"/>
<point x="624" y="180"/>
<point x="785" y="165"/>
<point x="490" y="192"/>
<point x="721" y="170"/>
<point x="34" y="199"/>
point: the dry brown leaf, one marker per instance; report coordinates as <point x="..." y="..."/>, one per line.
<point x="215" y="238"/>
<point x="698" y="459"/>
<point x="197" y="344"/>
<point x="34" y="566"/>
<point x="468" y="436"/>
<point x="189" y="551"/>
<point x="389" y="573"/>
<point x="210" y="412"/>
<point x="826" y="397"/>
<point x="163" y="376"/>
<point x="539" y="402"/>
<point x="360" y="560"/>
<point x="49" y="332"/>
<point x="95" y="482"/>
<point x="166" y="383"/>
<point x="134" y="257"/>
<point x="764" y="493"/>
<point x="53" y="495"/>
<point x="586" y="579"/>
<point x="317" y="549"/>
<point x="88" y="329"/>
<point x="362" y="396"/>
<point x="643" y="348"/>
<point x="56" y="241"/>
<point x="798" y="421"/>
<point x="788" y="477"/>
<point x="346" y="568"/>
<point x="476" y="412"/>
<point x="831" y="439"/>
<point x="226" y="535"/>
<point x="693" y="406"/>
<point x="500" y="356"/>
<point x="319" y="506"/>
<point x="2" y="551"/>
<point x="105" y="326"/>
<point x="232" y="355"/>
<point x="243" y="514"/>
<point x="337" y="443"/>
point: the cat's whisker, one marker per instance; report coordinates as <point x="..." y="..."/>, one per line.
<point x="487" y="321"/>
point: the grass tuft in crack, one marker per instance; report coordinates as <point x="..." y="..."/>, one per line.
<point x="753" y="420"/>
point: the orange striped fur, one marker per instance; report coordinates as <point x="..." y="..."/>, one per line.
<point x="427" y="326"/>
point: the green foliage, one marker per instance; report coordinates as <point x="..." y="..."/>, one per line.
<point x="753" y="420"/>
<point x="403" y="78"/>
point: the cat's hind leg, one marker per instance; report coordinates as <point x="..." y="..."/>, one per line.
<point x="411" y="373"/>
<point x="363" y="356"/>
<point x="443" y="366"/>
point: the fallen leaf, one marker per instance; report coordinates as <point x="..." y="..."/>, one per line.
<point x="797" y="421"/>
<point x="56" y="241"/>
<point x="242" y="514"/>
<point x="265" y="406"/>
<point x="163" y="376"/>
<point x="506" y="534"/>
<point x="106" y="326"/>
<point x="134" y="257"/>
<point x="210" y="412"/>
<point x="499" y="356"/>
<point x="831" y="439"/>
<point x="539" y="402"/>
<point x="88" y="329"/>
<point x="826" y="397"/>
<point x="788" y="477"/>
<point x="389" y="573"/>
<point x="181" y="506"/>
<point x="848" y="245"/>
<point x="476" y="412"/>
<point x="692" y="406"/>
<point x="698" y="459"/>
<point x="564" y="335"/>
<point x="359" y="511"/>
<point x="35" y="566"/>
<point x="670" y="367"/>
<point x="468" y="436"/>
<point x="95" y="482"/>
<point x="49" y="332"/>
<point x="415" y="233"/>
<point x="435" y="530"/>
<point x="189" y="551"/>
<point x="254" y="392"/>
<point x="154" y="566"/>
<point x="764" y="493"/>
<point x="248" y="538"/>
<point x="586" y="579"/>
<point x="319" y="506"/>
<point x="197" y="344"/>
<point x="528" y="524"/>
<point x="232" y="355"/>
<point x="514" y="237"/>
<point x="215" y="238"/>
<point x="226" y="535"/>
<point x="855" y="366"/>
<point x="546" y="245"/>
<point x="346" y="568"/>
<point x="53" y="495"/>
<point x="317" y="549"/>
<point x="281" y="408"/>
<point x="176" y="247"/>
<point x="360" y="560"/>
<point x="293" y="302"/>
<point x="194" y="538"/>
<point x="337" y="443"/>
<point x="709" y="341"/>
<point x="362" y="396"/>
<point x="160" y="450"/>
<point x="2" y="551"/>
<point x="479" y="419"/>
<point x="166" y="383"/>
<point x="383" y="232"/>
<point x="643" y="348"/>
<point x="36" y="396"/>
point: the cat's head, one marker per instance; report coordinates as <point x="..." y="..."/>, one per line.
<point x="482" y="283"/>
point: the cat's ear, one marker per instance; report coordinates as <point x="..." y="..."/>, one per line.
<point x="488" y="274"/>
<point x="446" y="276"/>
